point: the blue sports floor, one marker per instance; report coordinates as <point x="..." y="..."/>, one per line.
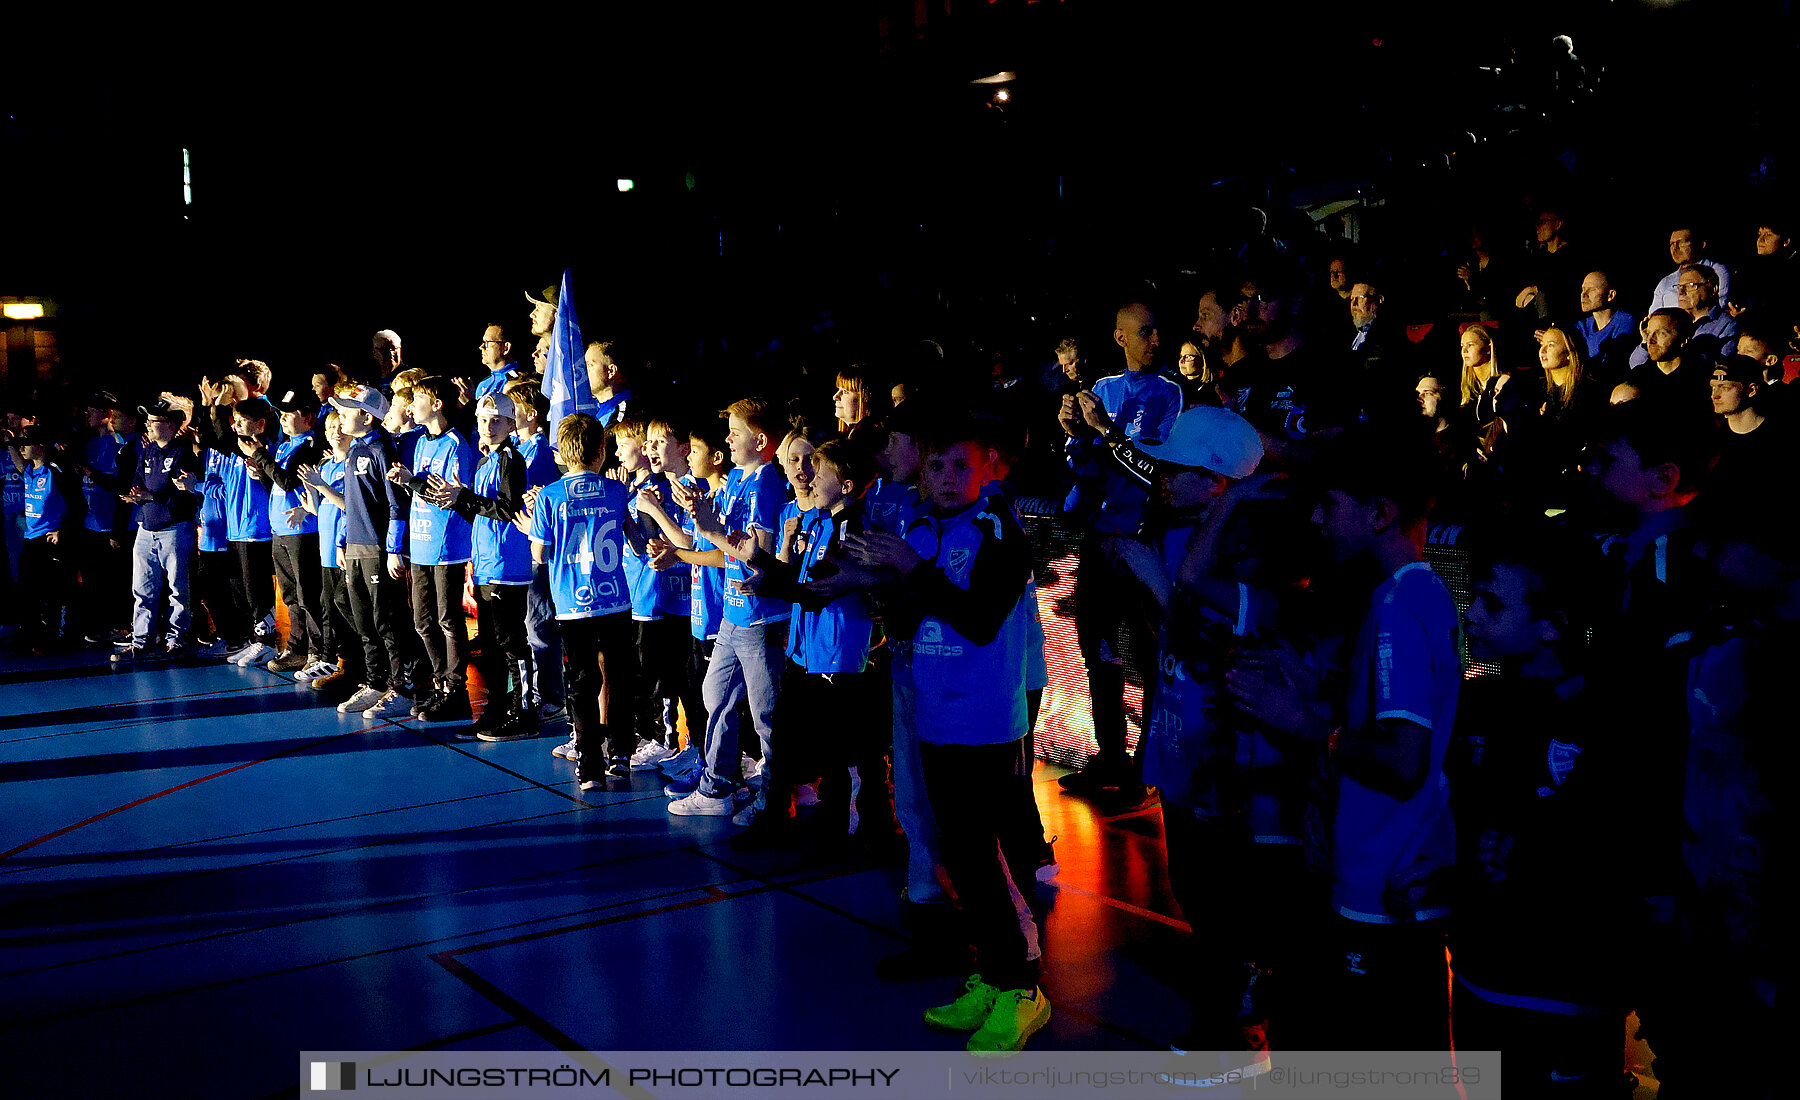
<point x="204" y="871"/>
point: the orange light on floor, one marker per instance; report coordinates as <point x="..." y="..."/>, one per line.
<point x="23" y="311"/>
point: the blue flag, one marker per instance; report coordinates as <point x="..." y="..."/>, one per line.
<point x="565" y="374"/>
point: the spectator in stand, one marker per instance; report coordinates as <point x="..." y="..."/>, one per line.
<point x="1553" y="265"/>
<point x="1673" y="370"/>
<point x="1608" y="334"/>
<point x="1483" y="282"/>
<point x="1770" y="282"/>
<point x="1218" y="329"/>
<point x="1711" y="330"/>
<point x="1752" y="448"/>
<point x="1687" y="246"/>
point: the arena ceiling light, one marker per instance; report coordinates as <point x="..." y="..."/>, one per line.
<point x="1004" y="76"/>
<point x="23" y="311"/>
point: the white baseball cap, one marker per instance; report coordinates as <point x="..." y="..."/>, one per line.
<point x="367" y="398"/>
<point x="1214" y="439"/>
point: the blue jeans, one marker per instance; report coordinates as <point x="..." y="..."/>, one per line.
<point x="746" y="662"/>
<point x="159" y="558"/>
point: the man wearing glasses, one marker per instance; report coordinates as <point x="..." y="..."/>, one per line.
<point x="1711" y="329"/>
<point x="1688" y="246"/>
<point x="496" y="356"/>
<point x="166" y="489"/>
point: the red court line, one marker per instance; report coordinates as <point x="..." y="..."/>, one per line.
<point x="9" y="853"/>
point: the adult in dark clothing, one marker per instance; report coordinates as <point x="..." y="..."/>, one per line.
<point x="1553" y="270"/>
<point x="1676" y="372"/>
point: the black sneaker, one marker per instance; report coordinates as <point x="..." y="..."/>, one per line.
<point x="517" y="726"/>
<point x="424" y="700"/>
<point x="451" y="706"/>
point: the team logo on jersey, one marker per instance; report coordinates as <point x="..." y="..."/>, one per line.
<point x="1353" y="962"/>
<point x="959" y="563"/>
<point x="1561" y="759"/>
<point x="168" y="462"/>
<point x="585" y="489"/>
<point x="362" y="465"/>
<point x="930" y="632"/>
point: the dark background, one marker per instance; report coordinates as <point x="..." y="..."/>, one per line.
<point x="820" y="182"/>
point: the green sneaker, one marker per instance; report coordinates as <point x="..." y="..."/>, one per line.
<point x="1018" y="1015"/>
<point x="967" y="1012"/>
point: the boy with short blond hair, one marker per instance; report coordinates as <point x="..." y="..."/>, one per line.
<point x="577" y="530"/>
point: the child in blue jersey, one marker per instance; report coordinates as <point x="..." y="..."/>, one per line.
<point x="438" y="543"/>
<point x="1381" y="956"/>
<point x="829" y="696"/>
<point x="578" y="530"/>
<point x="295" y="550"/>
<point x="247" y="526"/>
<point x="52" y="517"/>
<point x="502" y="568"/>
<point x="340" y="656"/>
<point x="101" y="551"/>
<point x="747" y="656"/>
<point x="665" y="647"/>
<point x="215" y="569"/>
<point x="543" y="683"/>
<point x="961" y="627"/>
<point x="681" y="544"/>
<point x="652" y="712"/>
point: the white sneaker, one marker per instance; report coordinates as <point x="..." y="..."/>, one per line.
<point x="314" y="671"/>
<point x="745" y="816"/>
<point x="650" y="756"/>
<point x="699" y="805"/>
<point x="364" y="698"/>
<point x="567" y="750"/>
<point x="255" y="654"/>
<point x="231" y="658"/>
<point x="686" y="760"/>
<point x="392" y="704"/>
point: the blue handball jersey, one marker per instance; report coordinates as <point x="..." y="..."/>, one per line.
<point x="13" y="502"/>
<point x="212" y="504"/>
<point x="102" y="503"/>
<point x="44" y="503"/>
<point x="246" y="501"/>
<point x="706" y="584"/>
<point x="439" y="536"/>
<point x="639" y="577"/>
<point x="282" y="501"/>
<point x="580" y="519"/>
<point x="752" y="504"/>
<point x="501" y="552"/>
<point x="540" y="460"/>
<point x="330" y="519"/>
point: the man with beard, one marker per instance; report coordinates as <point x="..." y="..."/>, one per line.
<point x="1280" y="386"/>
<point x="1673" y="370"/>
